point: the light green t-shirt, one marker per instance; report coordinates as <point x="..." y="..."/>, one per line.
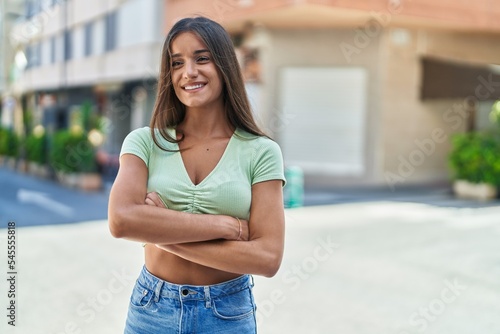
<point x="248" y="159"/>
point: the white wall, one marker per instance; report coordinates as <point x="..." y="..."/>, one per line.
<point x="59" y="48"/>
<point x="138" y="22"/>
<point x="327" y="111"/>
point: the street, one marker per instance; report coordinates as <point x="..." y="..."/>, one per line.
<point x="359" y="268"/>
<point x="30" y="201"/>
<point x="398" y="268"/>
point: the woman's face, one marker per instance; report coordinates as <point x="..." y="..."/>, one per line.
<point x="195" y="77"/>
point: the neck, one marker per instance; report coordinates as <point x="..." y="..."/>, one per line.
<point x="205" y="123"/>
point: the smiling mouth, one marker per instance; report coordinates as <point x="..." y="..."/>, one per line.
<point x="193" y="87"/>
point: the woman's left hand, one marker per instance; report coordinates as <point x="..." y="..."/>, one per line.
<point x="154" y="199"/>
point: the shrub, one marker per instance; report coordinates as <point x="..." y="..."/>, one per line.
<point x="36" y="148"/>
<point x="475" y="157"/>
<point x="72" y="153"/>
<point x="9" y="143"/>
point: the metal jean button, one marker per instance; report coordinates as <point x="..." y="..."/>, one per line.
<point x="185" y="292"/>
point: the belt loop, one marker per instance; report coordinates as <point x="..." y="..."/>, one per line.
<point x="208" y="304"/>
<point x="158" y="290"/>
<point x="252" y="283"/>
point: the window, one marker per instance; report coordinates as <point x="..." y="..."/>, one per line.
<point x="37" y="54"/>
<point x="30" y="10"/>
<point x="29" y="52"/>
<point x="33" y="55"/>
<point x="67" y="45"/>
<point x="88" y="39"/>
<point x="110" y="31"/>
<point x="53" y="49"/>
<point x="34" y="7"/>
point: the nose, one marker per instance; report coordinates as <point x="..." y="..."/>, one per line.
<point x="190" y="70"/>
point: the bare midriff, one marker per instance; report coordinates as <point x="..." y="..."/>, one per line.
<point x="174" y="269"/>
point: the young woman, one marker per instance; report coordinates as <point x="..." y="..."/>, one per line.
<point x="202" y="188"/>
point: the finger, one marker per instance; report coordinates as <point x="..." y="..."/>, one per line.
<point x="153" y="196"/>
<point x="160" y="247"/>
<point x="150" y="202"/>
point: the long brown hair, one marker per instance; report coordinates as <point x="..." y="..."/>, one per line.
<point x="169" y="111"/>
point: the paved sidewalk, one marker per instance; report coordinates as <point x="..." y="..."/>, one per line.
<point x="363" y="268"/>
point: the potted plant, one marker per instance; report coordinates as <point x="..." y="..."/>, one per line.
<point x="475" y="164"/>
<point x="73" y="158"/>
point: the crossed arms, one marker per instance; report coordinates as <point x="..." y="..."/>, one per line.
<point x="209" y="240"/>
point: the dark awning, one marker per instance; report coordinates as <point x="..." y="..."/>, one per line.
<point x="446" y="79"/>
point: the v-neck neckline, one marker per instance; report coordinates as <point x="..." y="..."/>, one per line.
<point x="181" y="160"/>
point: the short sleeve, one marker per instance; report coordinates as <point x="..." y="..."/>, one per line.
<point x="268" y="163"/>
<point x="138" y="143"/>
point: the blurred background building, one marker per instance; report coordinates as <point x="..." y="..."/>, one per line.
<point x="355" y="92"/>
<point x="99" y="53"/>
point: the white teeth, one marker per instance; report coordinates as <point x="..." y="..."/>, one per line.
<point x="193" y="87"/>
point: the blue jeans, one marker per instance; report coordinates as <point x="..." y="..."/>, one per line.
<point x="157" y="306"/>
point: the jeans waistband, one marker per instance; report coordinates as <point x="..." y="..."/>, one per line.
<point x="192" y="292"/>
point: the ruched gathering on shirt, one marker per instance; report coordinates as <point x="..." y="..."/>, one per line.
<point x="247" y="160"/>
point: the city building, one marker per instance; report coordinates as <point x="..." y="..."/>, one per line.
<point x="355" y="92"/>
<point x="365" y="92"/>
<point x="10" y="13"/>
<point x="101" y="54"/>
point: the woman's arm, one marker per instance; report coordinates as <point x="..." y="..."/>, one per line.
<point x="130" y="217"/>
<point x="262" y="253"/>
